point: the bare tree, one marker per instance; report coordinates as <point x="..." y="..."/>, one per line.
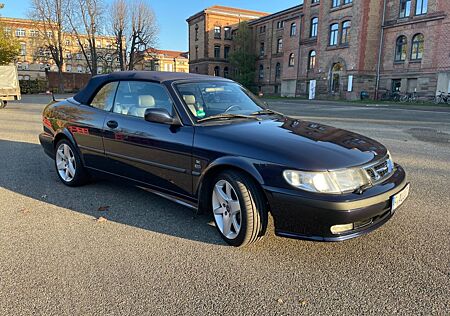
<point x="144" y="31"/>
<point x="135" y="30"/>
<point x="119" y="27"/>
<point x="50" y="20"/>
<point x="84" y="17"/>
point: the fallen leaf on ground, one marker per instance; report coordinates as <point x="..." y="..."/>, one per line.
<point x="280" y="301"/>
<point x="101" y="219"/>
<point x="303" y="303"/>
<point x="103" y="208"/>
<point x="24" y="210"/>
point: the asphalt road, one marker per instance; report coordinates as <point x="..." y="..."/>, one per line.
<point x="154" y="257"/>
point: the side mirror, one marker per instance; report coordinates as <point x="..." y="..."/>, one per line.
<point x="160" y="116"/>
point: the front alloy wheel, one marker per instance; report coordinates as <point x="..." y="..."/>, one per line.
<point x="238" y="207"/>
<point x="226" y="209"/>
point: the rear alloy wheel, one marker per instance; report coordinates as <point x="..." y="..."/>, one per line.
<point x="68" y="165"/>
<point x="238" y="208"/>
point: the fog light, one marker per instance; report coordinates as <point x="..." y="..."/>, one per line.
<point x="337" y="229"/>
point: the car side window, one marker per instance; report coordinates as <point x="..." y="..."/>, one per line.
<point x="135" y="97"/>
<point x="104" y="98"/>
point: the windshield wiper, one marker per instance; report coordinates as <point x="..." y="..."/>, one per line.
<point x="266" y="111"/>
<point x="227" y="116"/>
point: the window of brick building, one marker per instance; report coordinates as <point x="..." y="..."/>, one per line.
<point x="217" y="32"/>
<point x="279" y="45"/>
<point x="291" y="60"/>
<point x="312" y="59"/>
<point x="345" y="36"/>
<point x="335" y="3"/>
<point x="417" y="47"/>
<point x="405" y="8"/>
<point x="348" y="1"/>
<point x="196" y="32"/>
<point x="23" y="49"/>
<point x="314" y="27"/>
<point x="196" y="52"/>
<point x="226" y="72"/>
<point x="217" y="71"/>
<point x="293" y="31"/>
<point x="262" y="50"/>
<point x="315" y="1"/>
<point x="278" y="71"/>
<point x="334" y="34"/>
<point x="280" y="24"/>
<point x="20" y="33"/>
<point x="261" y="72"/>
<point x="227" y="31"/>
<point x="226" y="52"/>
<point x="421" y="7"/>
<point x="400" y="48"/>
<point x="216" y="51"/>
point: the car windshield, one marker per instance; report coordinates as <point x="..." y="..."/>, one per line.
<point x="210" y="99"/>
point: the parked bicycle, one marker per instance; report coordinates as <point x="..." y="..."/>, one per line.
<point x="409" y="97"/>
<point x="442" y="98"/>
<point x="390" y="96"/>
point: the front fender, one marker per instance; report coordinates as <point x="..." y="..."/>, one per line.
<point x="246" y="165"/>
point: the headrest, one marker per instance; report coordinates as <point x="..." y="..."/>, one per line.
<point x="189" y="98"/>
<point x="146" y="101"/>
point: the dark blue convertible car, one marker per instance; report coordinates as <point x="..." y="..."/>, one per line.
<point x="208" y="143"/>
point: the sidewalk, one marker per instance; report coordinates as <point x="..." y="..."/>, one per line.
<point x="369" y="103"/>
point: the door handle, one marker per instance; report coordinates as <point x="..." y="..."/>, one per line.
<point x="112" y="124"/>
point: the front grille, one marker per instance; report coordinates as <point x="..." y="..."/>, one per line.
<point x="381" y="170"/>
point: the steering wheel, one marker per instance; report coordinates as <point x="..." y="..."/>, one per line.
<point x="232" y="107"/>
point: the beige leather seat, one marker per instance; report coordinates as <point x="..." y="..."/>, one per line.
<point x="145" y="102"/>
<point x="189" y="99"/>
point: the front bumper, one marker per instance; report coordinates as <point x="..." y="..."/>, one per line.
<point x="299" y="215"/>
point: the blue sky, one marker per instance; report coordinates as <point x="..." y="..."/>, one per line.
<point x="171" y="15"/>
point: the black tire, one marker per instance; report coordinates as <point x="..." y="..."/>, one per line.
<point x="81" y="176"/>
<point x="253" y="208"/>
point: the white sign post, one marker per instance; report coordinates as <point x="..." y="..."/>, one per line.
<point x="312" y="89"/>
<point x="350" y="83"/>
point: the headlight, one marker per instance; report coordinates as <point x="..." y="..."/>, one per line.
<point x="333" y="182"/>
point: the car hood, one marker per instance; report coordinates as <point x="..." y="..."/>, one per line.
<point x="291" y="142"/>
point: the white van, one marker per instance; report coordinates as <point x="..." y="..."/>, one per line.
<point x="9" y="85"/>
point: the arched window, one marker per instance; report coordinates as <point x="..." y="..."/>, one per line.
<point x="261" y="72"/>
<point x="226" y="72"/>
<point x="217" y="71"/>
<point x="400" y="48"/>
<point x="278" y="71"/>
<point x="293" y="29"/>
<point x="314" y="27"/>
<point x="279" y="45"/>
<point x="291" y="60"/>
<point x="417" y="47"/>
<point x="345" y="36"/>
<point x="312" y="59"/>
<point x="334" y="34"/>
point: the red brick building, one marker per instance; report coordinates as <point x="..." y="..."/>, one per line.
<point x="416" y="47"/>
<point x="344" y="47"/>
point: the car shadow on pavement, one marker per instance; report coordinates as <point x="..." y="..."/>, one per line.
<point x="26" y="170"/>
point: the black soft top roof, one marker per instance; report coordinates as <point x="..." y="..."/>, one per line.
<point x="94" y="84"/>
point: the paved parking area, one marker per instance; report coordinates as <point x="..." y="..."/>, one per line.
<point x="155" y="257"/>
